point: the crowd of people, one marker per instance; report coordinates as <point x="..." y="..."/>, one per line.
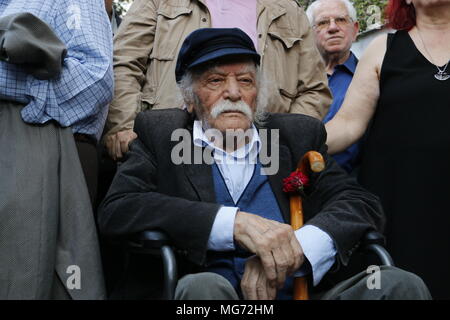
<point x="90" y="103"/>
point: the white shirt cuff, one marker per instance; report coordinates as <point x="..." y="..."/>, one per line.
<point x="318" y="248"/>
<point x="221" y="237"/>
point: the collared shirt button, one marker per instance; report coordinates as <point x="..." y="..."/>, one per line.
<point x="204" y="19"/>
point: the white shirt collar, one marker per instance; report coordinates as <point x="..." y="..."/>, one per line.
<point x="249" y="151"/>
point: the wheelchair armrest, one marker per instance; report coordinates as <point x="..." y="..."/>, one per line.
<point x="374" y="237"/>
<point x="374" y="242"/>
<point x="149" y="241"/>
<point x="158" y="243"/>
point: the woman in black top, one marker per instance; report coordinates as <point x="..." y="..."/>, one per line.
<point x="402" y="89"/>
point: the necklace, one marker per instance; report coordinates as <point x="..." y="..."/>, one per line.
<point x="441" y="74"/>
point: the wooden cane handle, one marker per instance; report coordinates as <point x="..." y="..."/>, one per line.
<point x="313" y="161"/>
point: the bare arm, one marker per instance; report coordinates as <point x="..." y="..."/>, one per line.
<point x="351" y="121"/>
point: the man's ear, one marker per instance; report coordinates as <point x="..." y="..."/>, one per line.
<point x="356" y="29"/>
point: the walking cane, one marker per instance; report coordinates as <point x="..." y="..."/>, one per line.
<point x="314" y="161"/>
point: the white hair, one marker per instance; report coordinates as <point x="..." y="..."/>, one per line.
<point x="348" y="4"/>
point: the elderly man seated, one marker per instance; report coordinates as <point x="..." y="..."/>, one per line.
<point x="211" y="177"/>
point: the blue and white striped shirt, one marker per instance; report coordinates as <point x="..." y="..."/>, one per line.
<point x="79" y="96"/>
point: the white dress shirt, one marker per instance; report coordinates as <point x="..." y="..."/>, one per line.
<point x="237" y="170"/>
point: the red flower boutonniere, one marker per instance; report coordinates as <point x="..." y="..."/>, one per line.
<point x="295" y="183"/>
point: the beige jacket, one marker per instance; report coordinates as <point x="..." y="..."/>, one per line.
<point x="152" y="32"/>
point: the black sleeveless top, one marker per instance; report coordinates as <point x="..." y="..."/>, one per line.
<point x="406" y="162"/>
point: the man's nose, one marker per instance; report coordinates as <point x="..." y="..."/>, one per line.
<point x="232" y="90"/>
<point x="333" y="27"/>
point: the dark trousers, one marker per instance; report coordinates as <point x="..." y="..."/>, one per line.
<point x="87" y="152"/>
<point x="395" y="284"/>
<point x="99" y="170"/>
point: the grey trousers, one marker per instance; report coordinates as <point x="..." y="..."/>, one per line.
<point x="392" y="284"/>
<point x="48" y="240"/>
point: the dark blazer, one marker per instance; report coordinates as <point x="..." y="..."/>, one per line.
<point x="150" y="192"/>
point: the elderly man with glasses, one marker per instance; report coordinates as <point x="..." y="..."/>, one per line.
<point x="336" y="26"/>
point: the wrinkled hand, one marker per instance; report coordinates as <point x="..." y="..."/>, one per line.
<point x="273" y="242"/>
<point x="117" y="144"/>
<point x="254" y="283"/>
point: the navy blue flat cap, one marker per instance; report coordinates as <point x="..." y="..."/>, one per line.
<point x="207" y="44"/>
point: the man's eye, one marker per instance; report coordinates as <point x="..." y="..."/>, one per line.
<point x="323" y="23"/>
<point x="215" y="80"/>
<point x="341" y="20"/>
<point x="246" y="81"/>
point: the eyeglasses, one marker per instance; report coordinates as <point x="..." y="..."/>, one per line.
<point x="325" y="22"/>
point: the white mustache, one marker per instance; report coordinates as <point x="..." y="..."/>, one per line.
<point x="226" y="106"/>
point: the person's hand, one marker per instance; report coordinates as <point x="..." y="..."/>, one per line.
<point x="117" y="144"/>
<point x="273" y="242"/>
<point x="254" y="283"/>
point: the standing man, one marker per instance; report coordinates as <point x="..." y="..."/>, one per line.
<point x="56" y="83"/>
<point x="151" y="36"/>
<point x="335" y="27"/>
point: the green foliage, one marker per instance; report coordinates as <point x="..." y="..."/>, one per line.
<point x="370" y="12"/>
<point x="305" y="3"/>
